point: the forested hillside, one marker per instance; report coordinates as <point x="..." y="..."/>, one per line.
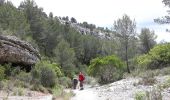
<point x="62" y="43"/>
<point x="67" y="46"/>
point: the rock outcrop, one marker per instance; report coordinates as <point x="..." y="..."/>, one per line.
<point x="14" y="50"/>
<point x="86" y="31"/>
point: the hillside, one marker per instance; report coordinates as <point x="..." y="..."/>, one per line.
<point x="41" y="54"/>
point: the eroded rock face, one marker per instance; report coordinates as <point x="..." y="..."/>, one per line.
<point x="14" y="50"/>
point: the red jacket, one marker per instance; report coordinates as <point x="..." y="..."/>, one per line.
<point x="81" y="77"/>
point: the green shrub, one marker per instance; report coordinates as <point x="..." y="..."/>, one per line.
<point x="69" y="70"/>
<point x="158" y="57"/>
<point x="38" y="87"/>
<point x="48" y="77"/>
<point x="65" y="81"/>
<point x="82" y="68"/>
<point x="45" y="76"/>
<point x="68" y="95"/>
<point x="165" y="71"/>
<point x="106" y="69"/>
<point x="143" y="61"/>
<point x="45" y="73"/>
<point x="18" y="91"/>
<point x="90" y="80"/>
<point x="53" y="66"/>
<point x="156" y="94"/>
<point x="2" y="73"/>
<point x="15" y="71"/>
<point x="25" y="77"/>
<point x="35" y="74"/>
<point x="8" y="70"/>
<point x="148" y="79"/>
<point x="166" y="84"/>
<point x="2" y="84"/>
<point x="140" y="96"/>
<point x="57" y="90"/>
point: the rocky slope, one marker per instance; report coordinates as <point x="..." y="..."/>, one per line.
<point x="86" y="31"/>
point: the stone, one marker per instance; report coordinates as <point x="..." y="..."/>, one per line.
<point x="14" y="50"/>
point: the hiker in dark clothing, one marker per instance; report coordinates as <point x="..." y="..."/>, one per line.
<point x="75" y="82"/>
<point x="81" y="79"/>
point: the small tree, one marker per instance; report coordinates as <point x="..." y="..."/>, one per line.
<point x="106" y="69"/>
<point x="73" y="20"/>
<point x="65" y="56"/>
<point x="147" y="40"/>
<point x="125" y="29"/>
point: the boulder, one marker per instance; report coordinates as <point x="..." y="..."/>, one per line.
<point x="14" y="50"/>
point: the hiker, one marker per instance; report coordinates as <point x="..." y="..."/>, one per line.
<point x="81" y="79"/>
<point x="75" y="82"/>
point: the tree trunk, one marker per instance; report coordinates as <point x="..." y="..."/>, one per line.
<point x="127" y="64"/>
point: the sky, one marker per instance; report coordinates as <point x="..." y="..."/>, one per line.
<point x="104" y="12"/>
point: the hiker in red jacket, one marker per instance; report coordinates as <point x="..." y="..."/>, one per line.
<point x="81" y="79"/>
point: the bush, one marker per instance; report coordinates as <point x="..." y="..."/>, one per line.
<point x="158" y="57"/>
<point x="53" y="66"/>
<point x="21" y="78"/>
<point x="2" y="85"/>
<point x="140" y="96"/>
<point x="18" y="91"/>
<point x="57" y="90"/>
<point x="35" y="74"/>
<point x="2" y="73"/>
<point x="166" y="84"/>
<point x="38" y="87"/>
<point x="155" y="94"/>
<point x="65" y="81"/>
<point x="165" y="71"/>
<point x="45" y="73"/>
<point x="82" y="68"/>
<point x="8" y="70"/>
<point x="59" y="93"/>
<point x="18" y="83"/>
<point x="106" y="69"/>
<point x="69" y="70"/>
<point x="15" y="71"/>
<point x="25" y="77"/>
<point x="148" y="79"/>
<point x="48" y="77"/>
<point x="90" y="80"/>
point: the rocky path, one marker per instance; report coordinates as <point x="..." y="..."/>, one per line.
<point x="88" y="92"/>
<point x="120" y="90"/>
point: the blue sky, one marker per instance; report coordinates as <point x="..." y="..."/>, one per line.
<point x="105" y="12"/>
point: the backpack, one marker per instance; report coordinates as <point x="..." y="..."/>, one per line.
<point x="83" y="77"/>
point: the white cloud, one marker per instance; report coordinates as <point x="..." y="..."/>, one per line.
<point x="104" y="12"/>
